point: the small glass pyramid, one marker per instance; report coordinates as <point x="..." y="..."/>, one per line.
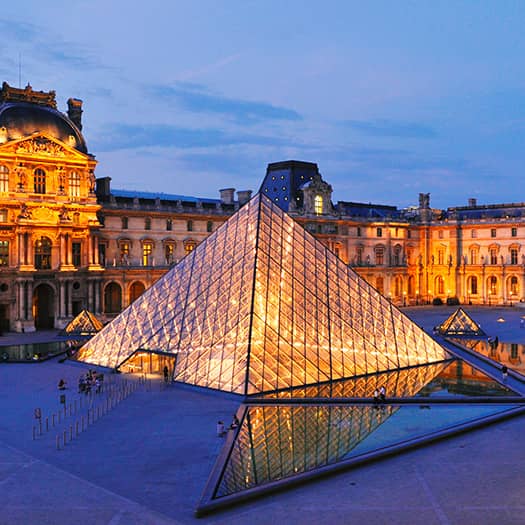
<point x="460" y="323"/>
<point x="261" y="305"/>
<point x="84" y="324"/>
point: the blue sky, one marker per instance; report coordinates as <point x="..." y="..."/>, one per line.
<point x="187" y="97"/>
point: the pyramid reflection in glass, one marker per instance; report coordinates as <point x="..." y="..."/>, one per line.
<point x="261" y="305"/>
<point x="460" y="323"/>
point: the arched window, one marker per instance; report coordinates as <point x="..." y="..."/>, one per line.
<point x="74" y="184"/>
<point x="169" y="252"/>
<point x="473" y="285"/>
<point x="112" y="298"/>
<point x="43" y="254"/>
<point x="136" y="290"/>
<point x="513" y="256"/>
<point x="513" y="285"/>
<point x="397" y="255"/>
<point x="318" y="205"/>
<point x="398" y="286"/>
<point x="4" y="179"/>
<point x="440" y="285"/>
<point x="189" y="246"/>
<point x="39" y="180"/>
<point x="493" y="285"/>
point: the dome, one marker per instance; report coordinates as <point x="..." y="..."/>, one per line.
<point x="21" y="119"/>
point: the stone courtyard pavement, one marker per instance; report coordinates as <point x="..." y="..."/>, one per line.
<point x="146" y="460"/>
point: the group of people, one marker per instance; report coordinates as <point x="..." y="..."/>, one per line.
<point x="379" y="395"/>
<point x="91" y="380"/>
<point x="221" y="430"/>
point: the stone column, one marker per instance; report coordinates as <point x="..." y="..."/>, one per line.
<point x="62" y="299"/>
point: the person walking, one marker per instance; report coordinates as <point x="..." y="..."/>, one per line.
<point x="166" y="373"/>
<point x="220" y="429"/>
<point x="504" y="372"/>
<point x="382" y="394"/>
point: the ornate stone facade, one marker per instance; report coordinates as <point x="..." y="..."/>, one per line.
<point x="69" y="242"/>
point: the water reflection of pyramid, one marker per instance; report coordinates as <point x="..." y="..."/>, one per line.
<point x="460" y="323"/>
<point x="262" y="305"/>
<point x="84" y="324"/>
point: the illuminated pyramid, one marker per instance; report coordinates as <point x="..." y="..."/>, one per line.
<point x="261" y="305"/>
<point x="460" y="323"/>
<point x="84" y="324"/>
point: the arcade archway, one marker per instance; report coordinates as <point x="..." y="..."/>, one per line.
<point x="44" y="307"/>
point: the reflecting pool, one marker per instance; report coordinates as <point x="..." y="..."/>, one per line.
<point x="32" y="352"/>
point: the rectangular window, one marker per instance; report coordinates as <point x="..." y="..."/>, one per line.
<point x="189" y="226"/>
<point x="102" y="254"/>
<point x="409" y="234"/>
<point x="3" y="215"/>
<point x="147" y="249"/>
<point x="147" y="223"/>
<point x="440" y="234"/>
<point x="76" y="254"/>
<point x="441" y="256"/>
<point x="379" y="232"/>
<point x="359" y="258"/>
<point x="473" y="257"/>
<point x="124" y="223"/>
<point x="493" y="232"/>
<point x="169" y="225"/>
<point x="514" y="232"/>
<point x="473" y="234"/>
<point x="493" y="256"/>
<point x="359" y="231"/>
<point x="209" y="226"/>
<point x="4" y="253"/>
<point x="380" y="256"/>
<point x="513" y="256"/>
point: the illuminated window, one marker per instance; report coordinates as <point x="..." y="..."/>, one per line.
<point x="4" y="179"/>
<point x="513" y="285"/>
<point x="74" y="184"/>
<point x="39" y="181"/>
<point x="3" y="215"/>
<point x="513" y="256"/>
<point x="318" y="205"/>
<point x="189" y="246"/>
<point x="43" y="254"/>
<point x="493" y="285"/>
<point x="76" y="248"/>
<point x="4" y="253"/>
<point x="124" y="223"/>
<point x="147" y="249"/>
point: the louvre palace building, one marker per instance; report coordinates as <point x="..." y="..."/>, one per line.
<point x="70" y="241"/>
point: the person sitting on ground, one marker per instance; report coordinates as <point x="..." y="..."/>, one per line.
<point x="61" y="385"/>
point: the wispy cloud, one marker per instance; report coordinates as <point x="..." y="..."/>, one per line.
<point x="131" y="136"/>
<point x="391" y="128"/>
<point x="197" y="99"/>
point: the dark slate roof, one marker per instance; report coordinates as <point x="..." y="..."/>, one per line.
<point x="23" y="118"/>
<point x="372" y="211"/>
<point x="490" y="211"/>
<point x="160" y="195"/>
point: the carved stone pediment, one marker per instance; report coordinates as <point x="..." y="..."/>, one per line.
<point x="40" y="146"/>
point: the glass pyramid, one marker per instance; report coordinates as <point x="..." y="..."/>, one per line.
<point x="261" y="305"/>
<point x="84" y="324"/>
<point x="460" y="323"/>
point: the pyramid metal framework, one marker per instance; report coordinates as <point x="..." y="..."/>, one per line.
<point x="84" y="324"/>
<point x="460" y="323"/>
<point x="261" y="305"/>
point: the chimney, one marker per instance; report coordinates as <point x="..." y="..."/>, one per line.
<point x="227" y="195"/>
<point x="472" y="203"/>
<point x="103" y="190"/>
<point x="74" y="112"/>
<point x="244" y="196"/>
